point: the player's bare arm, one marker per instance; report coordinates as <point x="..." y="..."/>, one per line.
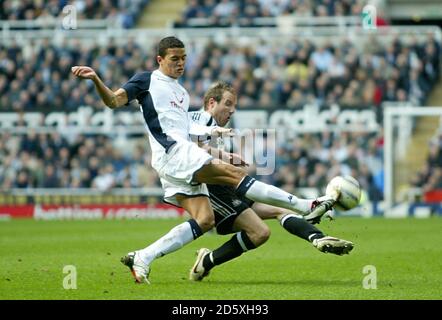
<point x="112" y="99"/>
<point x="228" y="157"/>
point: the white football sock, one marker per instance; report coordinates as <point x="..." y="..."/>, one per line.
<point x="175" y="239"/>
<point x="268" y="194"/>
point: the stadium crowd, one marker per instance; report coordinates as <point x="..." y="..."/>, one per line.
<point x="221" y="13"/>
<point x="53" y="161"/>
<point x="125" y="13"/>
<point x="37" y="76"/>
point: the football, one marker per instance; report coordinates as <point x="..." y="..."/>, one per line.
<point x="350" y="192"/>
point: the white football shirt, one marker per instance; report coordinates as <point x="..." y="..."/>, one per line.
<point x="164" y="104"/>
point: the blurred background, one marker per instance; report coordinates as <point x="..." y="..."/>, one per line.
<point x="350" y="86"/>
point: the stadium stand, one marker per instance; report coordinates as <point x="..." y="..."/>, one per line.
<point x="270" y="73"/>
<point x="52" y="161"/>
<point x="37" y="76"/>
<point x="124" y="13"/>
<point x="362" y="75"/>
<point x="225" y="13"/>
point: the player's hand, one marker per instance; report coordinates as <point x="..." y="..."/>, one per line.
<point x="224" y="132"/>
<point x="236" y="160"/>
<point x="84" y="72"/>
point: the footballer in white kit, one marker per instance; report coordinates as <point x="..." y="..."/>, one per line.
<point x="178" y="161"/>
<point x="164" y="104"/>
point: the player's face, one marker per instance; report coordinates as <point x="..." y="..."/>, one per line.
<point x="222" y="111"/>
<point x="172" y="64"/>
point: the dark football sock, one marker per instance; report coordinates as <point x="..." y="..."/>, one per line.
<point x="231" y="249"/>
<point x="301" y="228"/>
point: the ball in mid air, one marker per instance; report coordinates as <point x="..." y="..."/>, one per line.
<point x="350" y="192"/>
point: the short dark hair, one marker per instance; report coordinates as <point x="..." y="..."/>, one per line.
<point x="216" y="92"/>
<point x="168" y="42"/>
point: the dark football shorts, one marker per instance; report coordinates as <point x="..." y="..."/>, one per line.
<point x="227" y="206"/>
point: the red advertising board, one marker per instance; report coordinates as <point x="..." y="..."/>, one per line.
<point x="434" y="196"/>
<point x="88" y="212"/>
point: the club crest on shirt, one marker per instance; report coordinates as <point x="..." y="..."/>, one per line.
<point x="180" y="100"/>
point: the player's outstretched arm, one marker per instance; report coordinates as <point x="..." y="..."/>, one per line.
<point x="231" y="158"/>
<point x="110" y="98"/>
<point x="198" y="130"/>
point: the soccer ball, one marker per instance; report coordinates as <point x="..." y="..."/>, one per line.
<point x="350" y="192"/>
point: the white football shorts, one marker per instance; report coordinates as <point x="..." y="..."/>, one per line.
<point x="178" y="168"/>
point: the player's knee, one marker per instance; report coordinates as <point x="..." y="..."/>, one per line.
<point x="206" y="223"/>
<point x="264" y="234"/>
<point x="260" y="236"/>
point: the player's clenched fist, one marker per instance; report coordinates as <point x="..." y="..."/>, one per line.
<point x="84" y="72"/>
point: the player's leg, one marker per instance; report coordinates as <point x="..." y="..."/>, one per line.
<point x="202" y="220"/>
<point x="299" y="227"/>
<point x="176" y="172"/>
<point x="200" y="210"/>
<point x="226" y="174"/>
<point x="294" y="224"/>
<point x="250" y="233"/>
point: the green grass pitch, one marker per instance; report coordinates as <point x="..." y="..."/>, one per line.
<point x="407" y="255"/>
